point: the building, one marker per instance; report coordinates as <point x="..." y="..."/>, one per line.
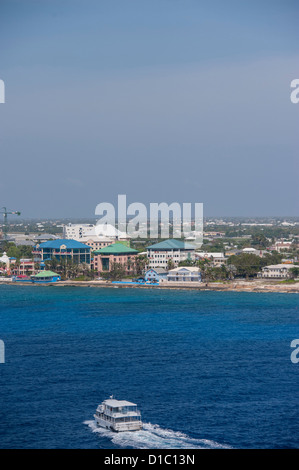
<point x="46" y="276"/>
<point x="276" y="271"/>
<point x="281" y="246"/>
<point x="217" y="259"/>
<point x="104" y="258"/>
<point x="5" y="259"/>
<point x="25" y="243"/>
<point x="96" y="243"/>
<point x="157" y="274"/>
<point x="214" y="234"/>
<point x="169" y="250"/>
<point x="45" y="237"/>
<point x="251" y="251"/>
<point x="232" y="252"/>
<point x="63" y="249"/>
<point x="184" y="274"/>
<point x="91" y="231"/>
<point x="4" y="263"/>
<point x="24" y="267"/>
<point x="77" y="231"/>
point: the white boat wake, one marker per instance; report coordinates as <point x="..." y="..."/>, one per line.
<point x="153" y="436"/>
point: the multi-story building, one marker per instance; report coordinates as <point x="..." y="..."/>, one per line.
<point x="24" y="267"/>
<point x="77" y="231"/>
<point x="63" y="249"/>
<point x="95" y="242"/>
<point x="91" y="231"/>
<point x="281" y="246"/>
<point x="217" y="259"/>
<point x="156" y="275"/>
<point x="104" y="258"/>
<point x="173" y="250"/>
<point x="184" y="274"/>
<point x="278" y="271"/>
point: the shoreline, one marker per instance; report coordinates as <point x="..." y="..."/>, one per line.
<point x="228" y="286"/>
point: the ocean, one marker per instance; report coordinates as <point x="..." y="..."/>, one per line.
<point x="207" y="369"/>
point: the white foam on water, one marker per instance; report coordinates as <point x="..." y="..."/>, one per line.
<point x="152" y="436"/>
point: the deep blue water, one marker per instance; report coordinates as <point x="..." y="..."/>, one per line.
<point x="207" y="369"/>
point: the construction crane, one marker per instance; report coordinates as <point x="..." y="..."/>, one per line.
<point x="5" y="213"/>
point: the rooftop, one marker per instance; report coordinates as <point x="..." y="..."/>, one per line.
<point x="158" y="270"/>
<point x="192" y="269"/>
<point x="171" y="244"/>
<point x="117" y="249"/>
<point x="46" y="236"/>
<point x="46" y="274"/>
<point x="117" y="403"/>
<point x="69" y="243"/>
<point x="209" y="255"/>
<point x="280" y="266"/>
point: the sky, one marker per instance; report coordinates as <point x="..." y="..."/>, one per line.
<point x="161" y="100"/>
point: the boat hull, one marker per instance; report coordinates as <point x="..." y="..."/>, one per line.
<point x="118" y="427"/>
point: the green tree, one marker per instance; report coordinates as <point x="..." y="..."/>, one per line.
<point x="294" y="272"/>
<point x="271" y="258"/>
<point x="187" y="262"/>
<point x="259" y="241"/>
<point x="116" y="273"/>
<point x="246" y="264"/>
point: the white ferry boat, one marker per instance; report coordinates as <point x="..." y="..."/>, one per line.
<point x="118" y="415"/>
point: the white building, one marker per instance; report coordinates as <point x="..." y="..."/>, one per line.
<point x="281" y="246"/>
<point x="169" y="250"/>
<point x="95" y="242"/>
<point x="91" y="231"/>
<point x="184" y="274"/>
<point x="251" y="251"/>
<point x="279" y="271"/>
<point x="217" y="259"/>
<point x="78" y="231"/>
<point x="5" y="259"/>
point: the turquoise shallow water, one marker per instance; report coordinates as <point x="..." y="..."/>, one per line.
<point x="207" y="369"/>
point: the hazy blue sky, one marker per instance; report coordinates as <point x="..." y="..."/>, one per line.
<point x="162" y="100"/>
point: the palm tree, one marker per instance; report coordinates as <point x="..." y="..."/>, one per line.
<point x="73" y="269"/>
<point x="205" y="266"/>
<point x="36" y="267"/>
<point x="52" y="264"/>
<point x="140" y="263"/>
<point x="16" y="267"/>
<point x="170" y="265"/>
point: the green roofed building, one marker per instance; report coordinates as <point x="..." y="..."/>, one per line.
<point x="173" y="250"/>
<point x="46" y="276"/>
<point x="116" y="253"/>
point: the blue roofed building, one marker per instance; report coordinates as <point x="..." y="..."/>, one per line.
<point x="156" y="275"/>
<point x="175" y="250"/>
<point x="63" y="249"/>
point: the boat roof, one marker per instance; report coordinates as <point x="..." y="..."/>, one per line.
<point x="116" y="403"/>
